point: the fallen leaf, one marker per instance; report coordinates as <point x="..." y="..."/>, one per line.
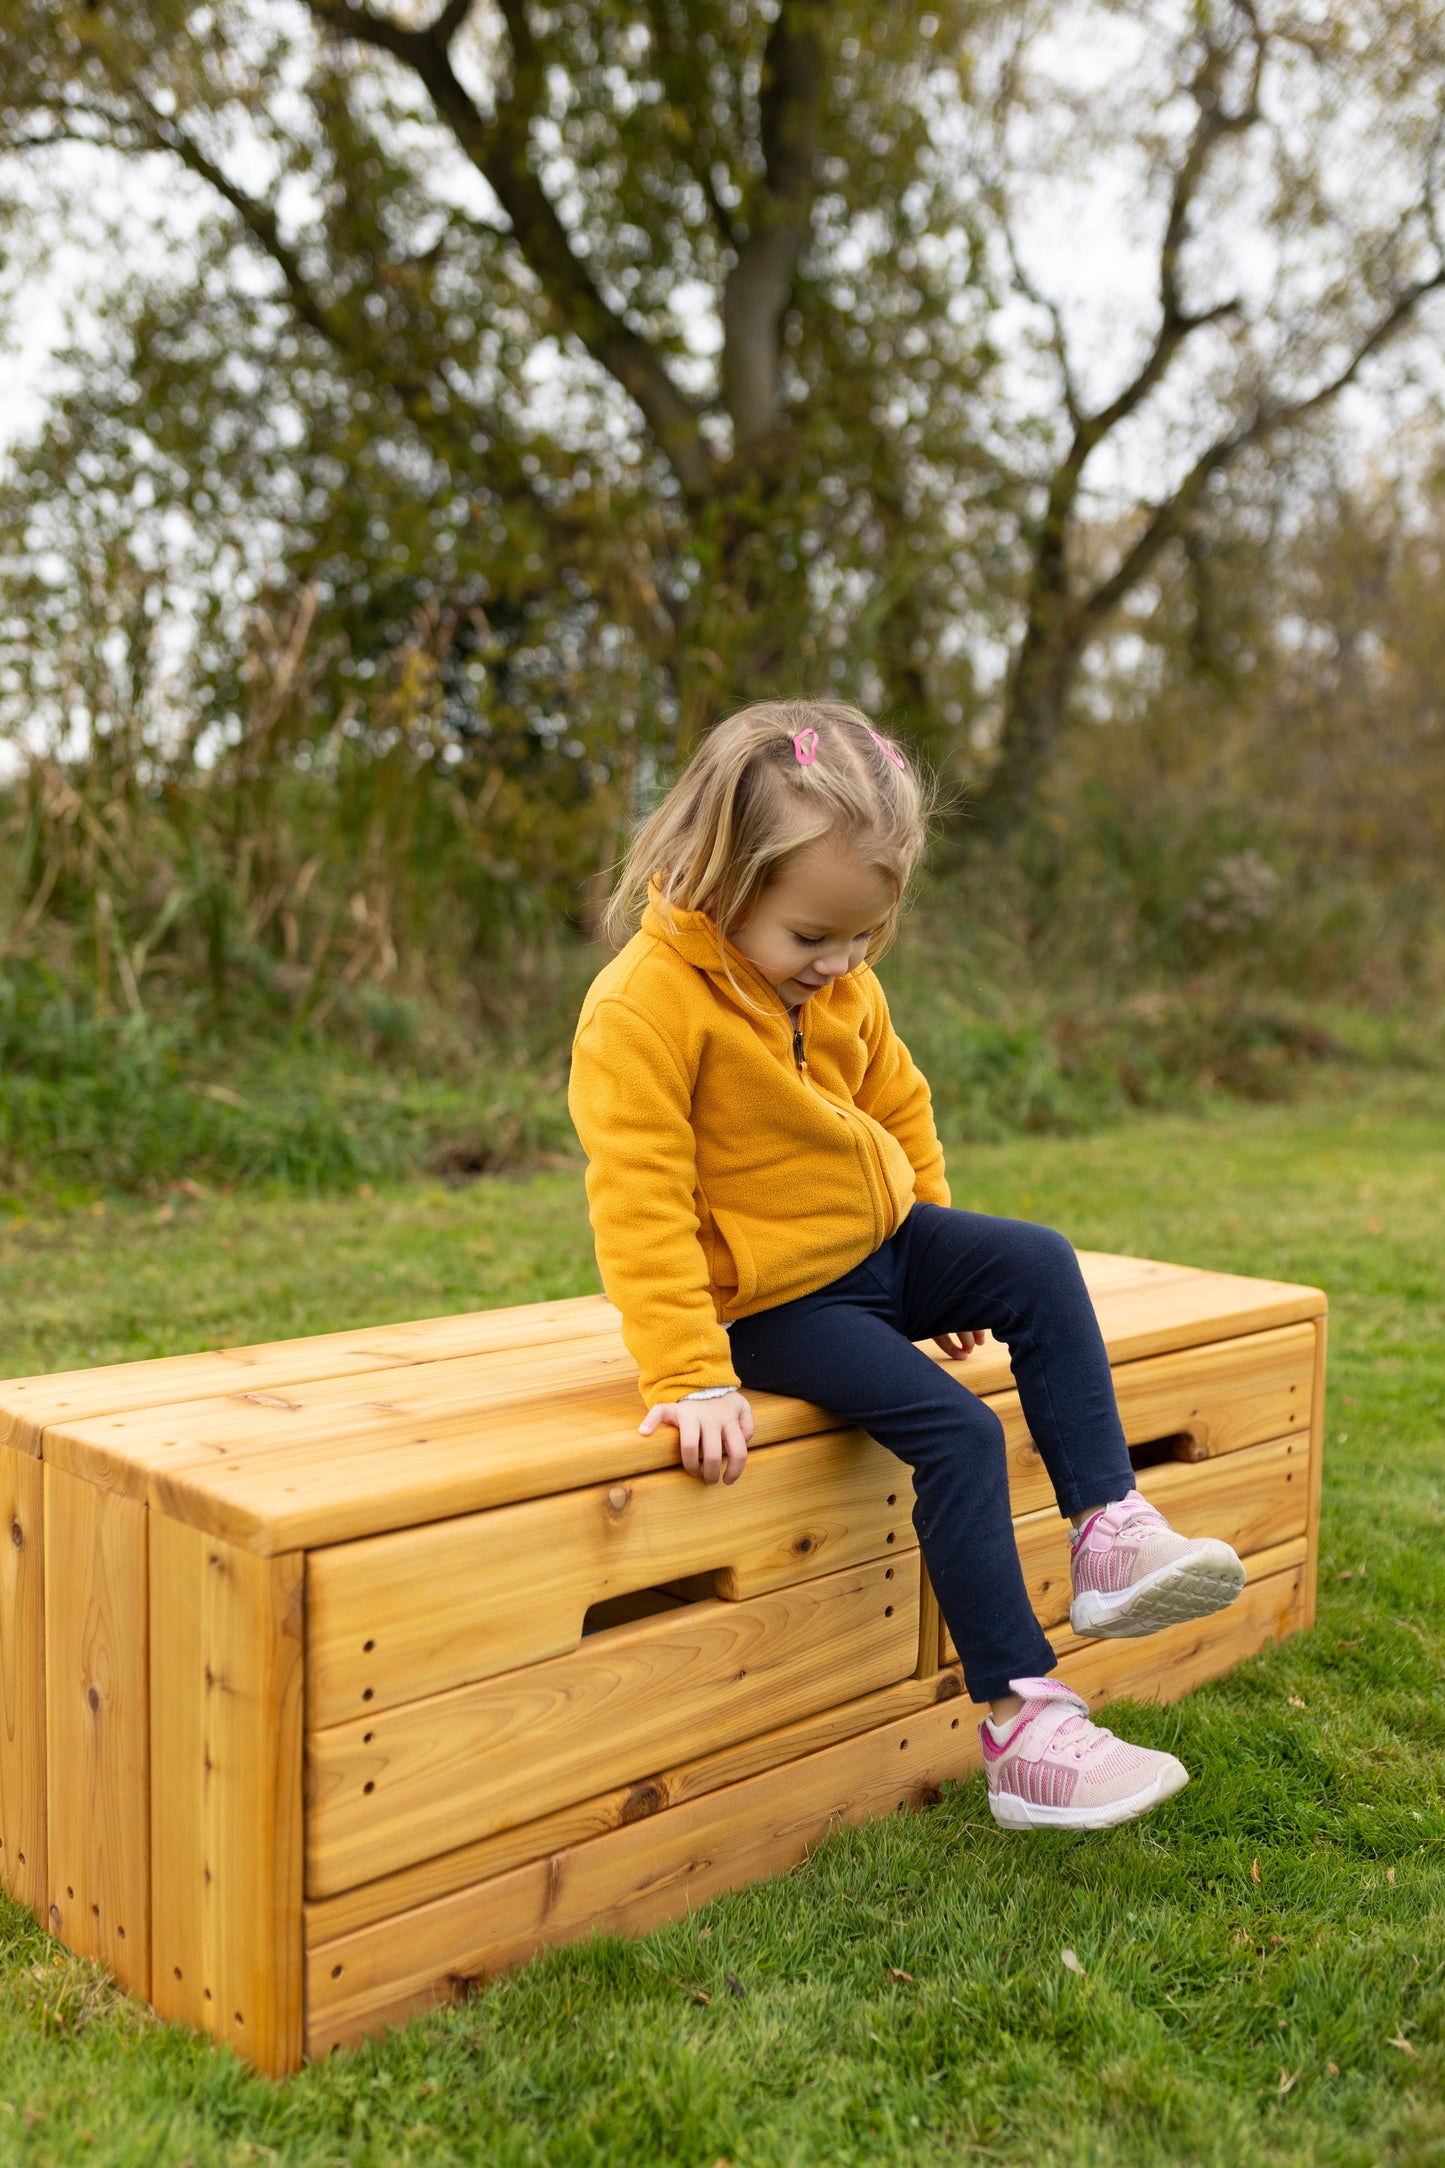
<point x="1359" y="1644"/>
<point x="166" y="1213"/>
<point x="1411" y="1628"/>
<point x="1288" y="2080"/>
<point x="735" y="1985"/>
<point x="703" y="1933"/>
<point x="1254" y="1870"/>
<point x="1347" y="1575"/>
<point x="1333" y="2069"/>
<point x="895" y="1972"/>
<point x="700" y="1994"/>
<point x="1296" y="1703"/>
<point x="1398" y="2040"/>
<point x="1389" y="1874"/>
<point x="1240" y="1936"/>
<point x="1070" y="1961"/>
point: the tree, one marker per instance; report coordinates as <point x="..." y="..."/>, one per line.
<point x="671" y="349"/>
<point x="614" y="322"/>
<point x="1309" y="139"/>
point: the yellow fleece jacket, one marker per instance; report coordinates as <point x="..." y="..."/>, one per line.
<point x="726" y="1174"/>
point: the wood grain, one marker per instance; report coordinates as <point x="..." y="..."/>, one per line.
<point x="419" y="1611"/>
<point x="1258" y="1566"/>
<point x="384" y="1791"/>
<point x="630" y="1879"/>
<point x="1215" y="1399"/>
<point x="97" y="1726"/>
<point x="271" y="1428"/>
<point x="1317" y="1468"/>
<point x="633" y="1878"/>
<point x="275" y="1479"/>
<point x="22" y="1681"/>
<point x="930" y="1627"/>
<point x="226" y="1687"/>
<point x="328" y="1917"/>
<point x="29" y="1405"/>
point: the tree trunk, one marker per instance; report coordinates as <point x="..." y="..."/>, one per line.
<point x="1035" y="709"/>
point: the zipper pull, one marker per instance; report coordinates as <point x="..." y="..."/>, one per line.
<point x="798" y="1055"/>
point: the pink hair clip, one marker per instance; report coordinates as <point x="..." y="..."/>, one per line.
<point x="887" y="748"/>
<point x="805" y="748"/>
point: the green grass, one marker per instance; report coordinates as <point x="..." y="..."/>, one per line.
<point x="1212" y="2004"/>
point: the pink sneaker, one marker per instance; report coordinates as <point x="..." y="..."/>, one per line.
<point x="1056" y="1770"/>
<point x="1133" y="1574"/>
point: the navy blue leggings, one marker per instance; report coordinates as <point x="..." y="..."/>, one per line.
<point x="850" y="1348"/>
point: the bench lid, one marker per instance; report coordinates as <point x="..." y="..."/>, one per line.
<point x="319" y="1441"/>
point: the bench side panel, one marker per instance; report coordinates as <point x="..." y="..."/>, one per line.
<point x="22" y="1680"/>
<point x="226" y="1719"/>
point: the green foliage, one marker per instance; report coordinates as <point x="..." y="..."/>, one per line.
<point x="1218" y="2018"/>
<point x="91" y="1101"/>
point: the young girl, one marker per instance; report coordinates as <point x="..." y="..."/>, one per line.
<point x="771" y="1213"/>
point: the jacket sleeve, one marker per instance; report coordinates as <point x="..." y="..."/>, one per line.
<point x="631" y="1103"/>
<point x="895" y="1092"/>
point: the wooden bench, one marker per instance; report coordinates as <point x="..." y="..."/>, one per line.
<point x="340" y="1673"/>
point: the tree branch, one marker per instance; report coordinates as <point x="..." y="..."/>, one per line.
<point x="1268" y="420"/>
<point x="674" y="59"/>
<point x="779" y="220"/>
<point x="500" y="149"/>
<point x="1214" y="125"/>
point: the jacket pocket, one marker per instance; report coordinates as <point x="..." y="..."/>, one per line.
<point x="734" y="1262"/>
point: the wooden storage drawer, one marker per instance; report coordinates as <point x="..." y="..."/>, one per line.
<point x="1204" y="1401"/>
<point x="412" y="1781"/>
<point x="1259" y="1498"/>
<point x="396" y="1617"/>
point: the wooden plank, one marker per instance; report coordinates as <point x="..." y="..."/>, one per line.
<point x="629" y="1879"/>
<point x="226" y="1689"/>
<point x="1258" y="1566"/>
<point x="634" y="1878"/>
<point x="1222" y="1397"/>
<point x="22" y="1681"/>
<point x="418" y="1611"/>
<point x="403" y="1472"/>
<point x="278" y="1479"/>
<point x="328" y="1917"/>
<point x="1169" y="1313"/>
<point x="1168" y="1665"/>
<point x="29" y="1405"/>
<point x="275" y="1427"/>
<point x="930" y="1627"/>
<point x="97" y="1726"/>
<point x="384" y="1791"/>
<point x="1317" y="1468"/>
<point x="1253" y="1499"/>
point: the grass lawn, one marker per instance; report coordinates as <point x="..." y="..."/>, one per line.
<point x="1264" y="1958"/>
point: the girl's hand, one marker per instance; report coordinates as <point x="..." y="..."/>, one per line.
<point x="713" y="1434"/>
<point x="958" y="1346"/>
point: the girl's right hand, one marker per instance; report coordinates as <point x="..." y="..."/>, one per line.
<point x="713" y="1434"/>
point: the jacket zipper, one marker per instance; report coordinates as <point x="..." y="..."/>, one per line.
<point x="800" y="1059"/>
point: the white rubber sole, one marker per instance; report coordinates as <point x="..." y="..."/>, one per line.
<point x="1206" y="1579"/>
<point x="1011" y="1812"/>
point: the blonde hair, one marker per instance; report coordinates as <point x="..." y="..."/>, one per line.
<point x="746" y="802"/>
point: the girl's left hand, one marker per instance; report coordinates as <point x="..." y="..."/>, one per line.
<point x="958" y="1346"/>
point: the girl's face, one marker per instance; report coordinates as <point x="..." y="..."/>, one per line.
<point x="813" y="923"/>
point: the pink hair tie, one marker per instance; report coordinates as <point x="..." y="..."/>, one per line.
<point x="805" y="748"/>
<point x="887" y="748"/>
